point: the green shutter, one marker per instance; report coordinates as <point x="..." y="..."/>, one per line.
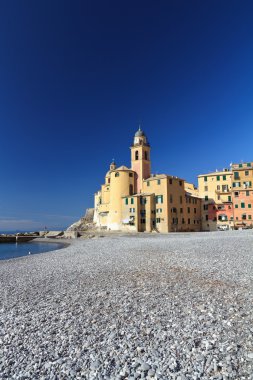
<point x="224" y="177"/>
<point x="242" y="205"/>
<point x="229" y="198"/>
<point x="205" y="179"/>
<point x="218" y="177"/>
<point x="249" y="205"/>
<point x="132" y="201"/>
<point x="126" y="201"/>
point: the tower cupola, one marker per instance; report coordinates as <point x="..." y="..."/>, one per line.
<point x="140" y="137"/>
<point x="113" y="165"/>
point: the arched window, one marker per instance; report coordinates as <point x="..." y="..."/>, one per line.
<point x="146" y="155"/>
<point x="117" y="174"/>
<point x="137" y="155"/>
<point x="131" y="189"/>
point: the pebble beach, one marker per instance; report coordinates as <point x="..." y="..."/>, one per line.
<point x="147" y="306"/>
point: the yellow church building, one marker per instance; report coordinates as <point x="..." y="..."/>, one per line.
<point x="132" y="199"/>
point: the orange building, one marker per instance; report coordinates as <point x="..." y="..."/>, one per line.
<point x="242" y="194"/>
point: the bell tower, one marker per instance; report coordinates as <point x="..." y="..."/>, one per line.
<point x="140" y="158"/>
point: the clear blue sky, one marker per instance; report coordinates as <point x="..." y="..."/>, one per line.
<point x="76" y="77"/>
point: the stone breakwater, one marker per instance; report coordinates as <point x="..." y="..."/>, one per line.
<point x="144" y="307"/>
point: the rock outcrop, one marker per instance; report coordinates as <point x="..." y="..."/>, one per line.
<point x="85" y="223"/>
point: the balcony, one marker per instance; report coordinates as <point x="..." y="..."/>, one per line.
<point x="223" y="191"/>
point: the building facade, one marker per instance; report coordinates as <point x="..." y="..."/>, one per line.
<point x="132" y="199"/>
<point x="227" y="197"/>
<point x="242" y="194"/>
<point x="215" y="190"/>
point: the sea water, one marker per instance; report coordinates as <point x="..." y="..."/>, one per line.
<point x="12" y="250"/>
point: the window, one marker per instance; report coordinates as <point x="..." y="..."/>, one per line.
<point x="137" y="155"/>
<point x="143" y="200"/>
<point x="195" y="210"/>
<point x="158" y="182"/>
<point x="159" y="210"/>
<point x="130" y="174"/>
<point x="206" y="188"/>
<point x="146" y="155"/>
<point x="159" y="198"/>
<point x="180" y="183"/>
<point x="218" y="187"/>
<point x="222" y="217"/>
<point x="236" y="193"/>
<point x="158" y="220"/>
<point x="249" y="205"/>
<point x="205" y="179"/>
<point x="224" y="188"/>
<point x="188" y="210"/>
<point x="182" y="220"/>
<point x="148" y="183"/>
<point x="170" y="181"/>
<point x="143" y="213"/>
<point x="236" y="184"/>
<point x="248" y="164"/>
<point x="131" y="189"/>
<point x="247" y="184"/>
<point x="171" y="198"/>
<point x="218" y="177"/>
<point x="181" y="211"/>
<point x="229" y="198"/>
<point x="132" y="210"/>
<point x="236" y="206"/>
<point x="126" y="201"/>
<point x="224" y="177"/>
<point x="246" y="172"/>
<point x="143" y="221"/>
<point x="175" y="221"/>
<point x="206" y="197"/>
<point x="244" y="216"/>
<point x="218" y="197"/>
<point x="205" y="207"/>
<point x="236" y="175"/>
<point x="247" y="193"/>
<point x="189" y="221"/>
<point x="206" y="217"/>
<point x="132" y="201"/>
<point x="181" y="199"/>
<point x="117" y="174"/>
<point x="240" y="165"/>
<point x="249" y="217"/>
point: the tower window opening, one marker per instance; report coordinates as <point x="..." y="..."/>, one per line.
<point x="146" y="155"/>
<point x="117" y="174"/>
<point x="131" y="189"/>
<point x="137" y="155"/>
